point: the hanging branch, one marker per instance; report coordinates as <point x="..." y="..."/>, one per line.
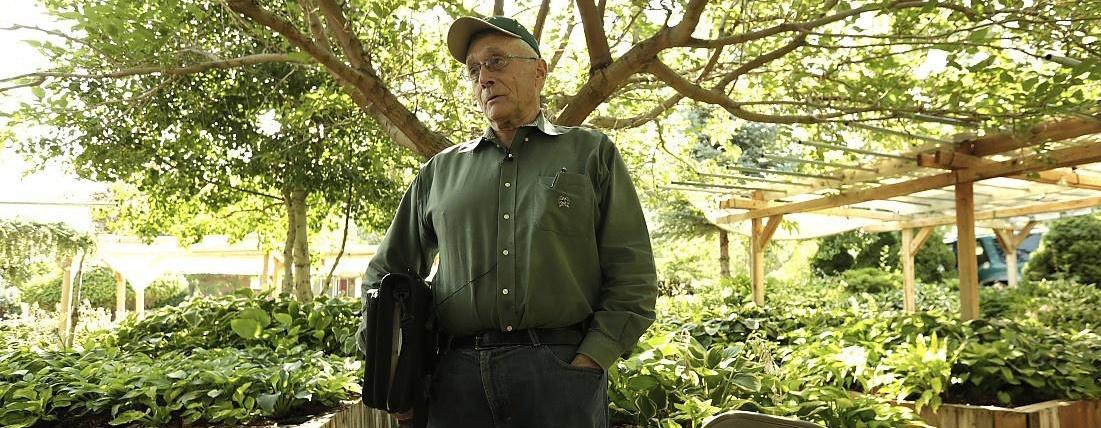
<point x="343" y="241"/>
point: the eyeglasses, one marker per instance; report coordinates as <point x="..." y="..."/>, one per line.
<point x="494" y="63"/>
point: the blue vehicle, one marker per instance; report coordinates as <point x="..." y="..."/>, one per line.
<point x="991" y="257"/>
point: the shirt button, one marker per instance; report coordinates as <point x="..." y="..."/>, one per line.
<point x="505" y="252"/>
<point x="506" y="216"/>
<point x="505" y="291"/>
<point x="507" y="184"/>
<point x="525" y="138"/>
<point x="508" y="328"/>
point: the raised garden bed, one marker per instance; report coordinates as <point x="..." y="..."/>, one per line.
<point x="352" y="415"/>
<point x="1047" y="414"/>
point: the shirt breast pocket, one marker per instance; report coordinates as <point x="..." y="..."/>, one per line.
<point x="565" y="206"/>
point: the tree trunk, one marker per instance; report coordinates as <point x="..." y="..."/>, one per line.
<point x="301" y="247"/>
<point x="287" y="286"/>
<point x="724" y="254"/>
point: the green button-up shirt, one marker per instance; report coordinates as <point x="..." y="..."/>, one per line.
<point x="545" y="234"/>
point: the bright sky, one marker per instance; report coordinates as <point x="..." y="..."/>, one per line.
<point x="54" y="183"/>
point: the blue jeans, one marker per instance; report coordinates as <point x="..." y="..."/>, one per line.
<point x="517" y="387"/>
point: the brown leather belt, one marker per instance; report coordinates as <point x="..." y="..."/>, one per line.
<point x="535" y="336"/>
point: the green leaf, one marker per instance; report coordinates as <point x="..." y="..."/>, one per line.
<point x="127" y="417"/>
<point x="38" y="92"/>
<point x="267" y="402"/>
<point x="283" y="318"/>
<point x="747" y="382"/>
<point x="642" y="382"/>
<point x="246" y="328"/>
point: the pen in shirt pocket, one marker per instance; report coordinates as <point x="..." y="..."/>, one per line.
<point x="555" y="181"/>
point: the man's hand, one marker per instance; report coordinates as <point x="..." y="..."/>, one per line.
<point x="582" y="360"/>
<point x="403" y="417"/>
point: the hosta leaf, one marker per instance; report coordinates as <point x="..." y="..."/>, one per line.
<point x="246" y="328"/>
<point x="127" y="417"/>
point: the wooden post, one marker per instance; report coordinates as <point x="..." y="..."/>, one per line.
<point x="264" y="271"/>
<point x="1011" y="241"/>
<point x="908" y="303"/>
<point x="965" y="250"/>
<point x="120" y="296"/>
<point x="139" y="301"/>
<point x="724" y="254"/>
<point x="757" y="263"/>
<point x="910" y="246"/>
<point x="64" y="311"/>
<point x="758" y="244"/>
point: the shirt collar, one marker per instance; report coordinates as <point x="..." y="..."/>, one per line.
<point x="541" y="123"/>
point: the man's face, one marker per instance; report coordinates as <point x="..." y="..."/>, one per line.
<point x="510" y="95"/>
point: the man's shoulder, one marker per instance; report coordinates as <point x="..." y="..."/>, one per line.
<point x="462" y="147"/>
<point x="581" y="134"/>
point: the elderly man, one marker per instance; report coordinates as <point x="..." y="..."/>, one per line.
<point x="546" y="275"/>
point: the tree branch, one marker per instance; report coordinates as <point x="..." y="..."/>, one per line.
<point x="691" y="90"/>
<point x="153" y="69"/>
<point x="541" y="19"/>
<point x="316" y="29"/>
<point x="593" y="23"/>
<point x="366" y="89"/>
<point x="61" y="35"/>
<point x="564" y="42"/>
<point x="345" y="35"/>
<point x="814" y="23"/>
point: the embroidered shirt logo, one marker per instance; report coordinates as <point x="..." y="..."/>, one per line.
<point x="563" y="202"/>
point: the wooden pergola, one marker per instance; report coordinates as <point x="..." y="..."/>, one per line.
<point x="998" y="181"/>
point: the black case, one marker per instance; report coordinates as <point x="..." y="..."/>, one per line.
<point x="401" y="344"/>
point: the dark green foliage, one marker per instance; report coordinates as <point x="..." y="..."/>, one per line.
<point x="855" y="249"/>
<point x="1070" y="249"/>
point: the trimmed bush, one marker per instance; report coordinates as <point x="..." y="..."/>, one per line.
<point x="1071" y="249"/>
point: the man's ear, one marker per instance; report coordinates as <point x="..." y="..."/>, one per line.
<point x="541" y="69"/>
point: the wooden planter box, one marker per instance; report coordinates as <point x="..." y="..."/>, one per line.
<point x="1048" y="414"/>
<point x="352" y="415"/>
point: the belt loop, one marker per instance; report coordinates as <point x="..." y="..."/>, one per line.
<point x="534" y="337"/>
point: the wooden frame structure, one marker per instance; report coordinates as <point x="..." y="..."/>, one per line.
<point x="944" y="182"/>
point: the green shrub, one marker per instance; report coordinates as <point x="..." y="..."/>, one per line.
<point x="98" y="288"/>
<point x="856" y="249"/>
<point x="242" y="320"/>
<point x="9" y="300"/>
<point x="1071" y="249"/>
<point x="871" y="280"/>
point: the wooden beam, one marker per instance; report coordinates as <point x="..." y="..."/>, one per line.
<point x="965" y="250"/>
<point x="1011" y="240"/>
<point x="1058" y="176"/>
<point x="907" y="256"/>
<point x="750" y="204"/>
<point x="1050" y="131"/>
<point x="769" y="229"/>
<point x="922" y="236"/>
<point x="849" y="198"/>
<point x="1086" y="153"/>
<point x="1047" y="207"/>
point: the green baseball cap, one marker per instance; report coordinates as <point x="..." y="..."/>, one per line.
<point x="458" y="37"/>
